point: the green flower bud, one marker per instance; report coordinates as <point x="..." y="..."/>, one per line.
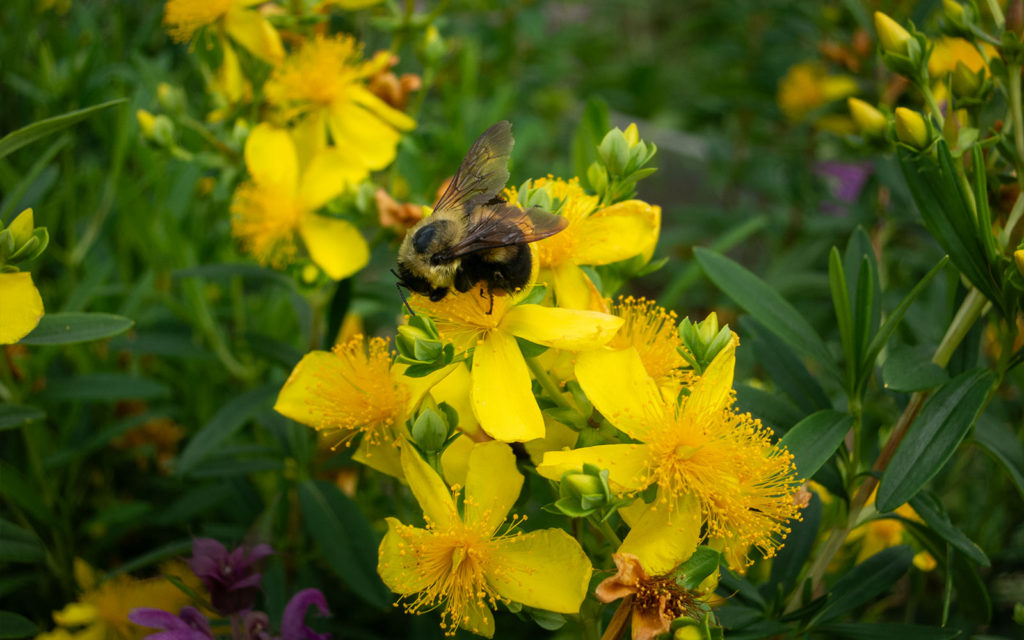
<point x="430" y="432"/>
<point x="966" y="83"/>
<point x="912" y="129"/>
<point x="870" y="121"/>
<point x="891" y="35"/>
<point x="1018" y="257"/>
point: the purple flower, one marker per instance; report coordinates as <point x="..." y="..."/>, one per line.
<point x="293" y="622"/>
<point x="231" y="579"/>
<point x="845" y="181"/>
<point x="188" y="625"/>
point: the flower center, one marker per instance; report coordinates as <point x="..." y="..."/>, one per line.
<point x="356" y="394"/>
<point x="319" y="73"/>
<point x="652" y="331"/>
<point x="463" y="317"/>
<point x="265" y="220"/>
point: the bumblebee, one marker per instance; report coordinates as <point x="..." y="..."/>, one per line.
<point x="474" y="235"/>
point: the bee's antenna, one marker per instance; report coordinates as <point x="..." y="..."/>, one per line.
<point x="398" y="285"/>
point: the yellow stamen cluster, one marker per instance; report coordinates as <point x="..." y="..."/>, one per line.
<point x="184" y="17"/>
<point x="652" y="331"/>
<point x="449" y="568"/>
<point x="265" y="221"/>
<point x="359" y="395"/>
<point x="743" y="483"/>
<point x="463" y="318"/>
<point x="318" y="74"/>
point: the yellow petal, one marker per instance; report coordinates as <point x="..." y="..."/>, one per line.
<point x="479" y="620"/>
<point x="619" y="386"/>
<point x="558" y="437"/>
<point x="418" y="387"/>
<point x="76" y="614"/>
<point x="545" y="569"/>
<point x="270" y="157"/>
<point x="329" y="174"/>
<point x="310" y="135"/>
<point x="295" y="399"/>
<point x="431" y="493"/>
<point x="455" y="460"/>
<point x="230" y="77"/>
<point x="627" y="464"/>
<point x="21" y="227"/>
<point x="383" y="110"/>
<point x="711" y="393"/>
<point x="502" y="392"/>
<point x="380" y="455"/>
<point x="397" y="562"/>
<point x="335" y="245"/>
<point x="573" y="289"/>
<point x="363" y="135"/>
<point x="251" y="30"/>
<point x="455" y="390"/>
<point x="666" y="535"/>
<point x="21" y="306"/>
<point x="615" y="233"/>
<point x="492" y="485"/>
<point x="571" y="329"/>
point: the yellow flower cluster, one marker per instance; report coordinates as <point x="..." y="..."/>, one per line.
<point x="322" y="129"/>
<point x="528" y="367"/>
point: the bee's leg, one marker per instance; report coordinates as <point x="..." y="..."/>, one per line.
<point x="492" y="301"/>
<point x="404" y="300"/>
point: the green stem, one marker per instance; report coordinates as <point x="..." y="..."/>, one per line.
<point x="606" y="531"/>
<point x="1013" y="70"/>
<point x="1011" y="222"/>
<point x="997" y="14"/>
<point x="548" y="384"/>
<point x="933" y="106"/>
<point x="970" y="310"/>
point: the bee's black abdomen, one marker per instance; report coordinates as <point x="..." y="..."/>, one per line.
<point x="507" y="272"/>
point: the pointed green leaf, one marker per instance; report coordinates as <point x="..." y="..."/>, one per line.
<point x="931" y="440"/>
<point x="13" y="416"/>
<point x="912" y="369"/>
<point x="13" y="626"/>
<point x="867" y="580"/>
<point x="766" y="305"/>
<point x="72" y="327"/>
<point x="814" y="439"/>
<point x="785" y="368"/>
<point x="345" y="538"/>
<point x="21" y="137"/>
<point x="103" y="387"/>
<point x="1001" y="443"/>
<point x="223" y="425"/>
<point x="934" y="515"/>
<point x="844" y="314"/>
<point x="791" y="557"/>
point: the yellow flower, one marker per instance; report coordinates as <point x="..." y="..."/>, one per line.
<point x="279" y="203"/>
<point x="21" y="306"/>
<point x="882" y="533"/>
<point x="594" y="237"/>
<point x="502" y="397"/>
<point x="465" y="564"/>
<point x="711" y="465"/>
<point x="235" y="18"/>
<point x="806" y="87"/>
<point x="356" y="389"/>
<point x="322" y="86"/>
<point x="653" y="332"/>
<point x="949" y="51"/>
<point x="101" y="612"/>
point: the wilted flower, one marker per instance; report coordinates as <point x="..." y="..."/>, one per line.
<point x="716" y="472"/>
<point x="657" y="601"/>
<point x="231" y="578"/>
<point x="462" y="564"/>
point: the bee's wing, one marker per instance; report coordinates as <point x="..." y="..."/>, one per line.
<point x="483" y="172"/>
<point x="502" y="225"/>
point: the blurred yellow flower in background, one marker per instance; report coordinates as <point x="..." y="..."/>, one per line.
<point x="322" y="87"/>
<point x="502" y="393"/>
<point x="101" y="611"/>
<point x="595" y="236"/>
<point x="279" y="204"/>
<point x="807" y="87"/>
<point x="465" y="564"/>
<point x="236" y="19"/>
